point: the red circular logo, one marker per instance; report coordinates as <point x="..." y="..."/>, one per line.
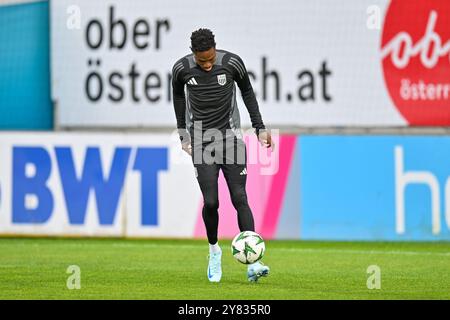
<point x="415" y="49"/>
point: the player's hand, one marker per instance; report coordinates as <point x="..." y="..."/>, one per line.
<point x="187" y="147"/>
<point x="265" y="139"/>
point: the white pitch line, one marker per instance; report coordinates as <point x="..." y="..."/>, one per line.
<point x="302" y="250"/>
<point x="299" y="250"/>
<point x="351" y="251"/>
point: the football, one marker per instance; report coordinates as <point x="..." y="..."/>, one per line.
<point x="248" y="247"/>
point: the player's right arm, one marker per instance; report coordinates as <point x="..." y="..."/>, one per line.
<point x="179" y="104"/>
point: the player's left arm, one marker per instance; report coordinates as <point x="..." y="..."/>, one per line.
<point x="248" y="95"/>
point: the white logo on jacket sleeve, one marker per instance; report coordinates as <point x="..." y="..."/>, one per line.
<point x="192" y="82"/>
<point x="222" y="79"/>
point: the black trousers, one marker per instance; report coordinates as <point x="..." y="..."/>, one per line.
<point x="233" y="164"/>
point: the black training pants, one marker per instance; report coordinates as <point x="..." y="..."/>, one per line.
<point x="233" y="165"/>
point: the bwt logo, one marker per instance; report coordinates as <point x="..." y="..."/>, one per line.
<point x="32" y="199"/>
<point x="404" y="178"/>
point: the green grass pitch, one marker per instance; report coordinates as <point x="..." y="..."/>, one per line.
<point x="176" y="269"/>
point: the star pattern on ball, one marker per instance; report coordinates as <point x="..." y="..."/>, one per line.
<point x="248" y="249"/>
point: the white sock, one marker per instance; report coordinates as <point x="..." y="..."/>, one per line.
<point x="214" y="248"/>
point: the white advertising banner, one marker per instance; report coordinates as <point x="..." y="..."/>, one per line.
<point x="312" y="63"/>
<point x="96" y="185"/>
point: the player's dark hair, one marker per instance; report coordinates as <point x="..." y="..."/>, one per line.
<point x="202" y="40"/>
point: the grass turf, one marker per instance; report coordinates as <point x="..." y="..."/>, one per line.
<point x="176" y="269"/>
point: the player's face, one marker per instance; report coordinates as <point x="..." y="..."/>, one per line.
<point x="206" y="59"/>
